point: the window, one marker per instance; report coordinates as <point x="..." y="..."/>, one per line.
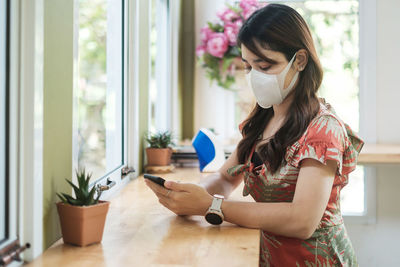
<point x="335" y="28"/>
<point x="8" y="184"/>
<point x="160" y="74"/>
<point x="99" y="94"/>
<point x="3" y="123"/>
<point x="21" y="124"/>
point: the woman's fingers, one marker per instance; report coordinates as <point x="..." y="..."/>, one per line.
<point x="158" y="189"/>
<point x="165" y="201"/>
<point x="182" y="198"/>
<point x="169" y="200"/>
<point x="178" y="186"/>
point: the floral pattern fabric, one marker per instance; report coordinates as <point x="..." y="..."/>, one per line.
<point x="326" y="138"/>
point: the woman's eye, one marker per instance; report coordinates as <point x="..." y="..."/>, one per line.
<point x="266" y="68"/>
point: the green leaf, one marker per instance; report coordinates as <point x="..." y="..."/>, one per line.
<point x="79" y="178"/>
<point x="89" y="176"/>
<point x="226" y="63"/>
<point x="91" y="195"/>
<point x="62" y="198"/>
<point x="83" y="196"/>
<point x="78" y="192"/>
<point x="159" y="139"/>
<point x="71" y="200"/>
<point x="215" y="27"/>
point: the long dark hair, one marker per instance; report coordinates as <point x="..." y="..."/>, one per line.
<point x="282" y="29"/>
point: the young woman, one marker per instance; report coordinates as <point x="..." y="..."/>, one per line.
<point x="295" y="155"/>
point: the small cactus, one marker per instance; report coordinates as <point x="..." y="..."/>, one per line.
<point x="84" y="197"/>
<point x="160" y="139"/>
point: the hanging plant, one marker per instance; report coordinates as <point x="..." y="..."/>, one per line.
<point x="218" y="52"/>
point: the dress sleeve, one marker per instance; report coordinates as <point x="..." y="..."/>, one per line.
<point x="327" y="139"/>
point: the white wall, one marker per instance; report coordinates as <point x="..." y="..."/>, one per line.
<point x="378" y="244"/>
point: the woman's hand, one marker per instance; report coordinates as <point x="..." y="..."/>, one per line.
<point x="182" y="198"/>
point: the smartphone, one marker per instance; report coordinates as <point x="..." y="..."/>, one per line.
<point x="155" y="179"/>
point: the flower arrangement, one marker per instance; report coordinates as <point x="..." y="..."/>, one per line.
<point x="218" y="50"/>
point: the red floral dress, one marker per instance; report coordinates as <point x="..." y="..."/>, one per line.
<point x="326" y="138"/>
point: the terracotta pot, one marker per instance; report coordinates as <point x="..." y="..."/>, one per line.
<point x="158" y="156"/>
<point x="82" y="225"/>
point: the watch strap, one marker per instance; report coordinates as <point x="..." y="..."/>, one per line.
<point x="217" y="202"/>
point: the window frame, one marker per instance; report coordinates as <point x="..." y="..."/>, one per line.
<point x="128" y="158"/>
<point x="132" y="63"/>
<point x="28" y="72"/>
<point x="6" y="137"/>
<point x="25" y="105"/>
<point x="27" y="115"/>
<point x="367" y="100"/>
<point x="12" y="129"/>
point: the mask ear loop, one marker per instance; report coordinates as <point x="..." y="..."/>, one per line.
<point x="290" y="87"/>
<point x="286" y="91"/>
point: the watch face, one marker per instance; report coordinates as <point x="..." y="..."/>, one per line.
<point x="213" y="218"/>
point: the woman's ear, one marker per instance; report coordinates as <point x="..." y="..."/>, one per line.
<point x="301" y="60"/>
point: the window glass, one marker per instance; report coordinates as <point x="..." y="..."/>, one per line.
<point x="99" y="94"/>
<point x="335" y="28"/>
<point x="160" y="96"/>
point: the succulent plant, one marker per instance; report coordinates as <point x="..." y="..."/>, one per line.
<point x="84" y="197"/>
<point x="160" y="139"/>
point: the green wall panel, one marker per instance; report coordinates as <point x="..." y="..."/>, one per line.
<point x="57" y="121"/>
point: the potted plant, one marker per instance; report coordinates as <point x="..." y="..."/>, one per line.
<point x="82" y="218"/>
<point x="159" y="152"/>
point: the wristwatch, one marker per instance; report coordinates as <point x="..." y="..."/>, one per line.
<point x="214" y="214"/>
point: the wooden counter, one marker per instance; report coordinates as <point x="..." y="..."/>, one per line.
<point x="141" y="232"/>
<point x="379" y="153"/>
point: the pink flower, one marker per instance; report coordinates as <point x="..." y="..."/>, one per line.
<point x="245" y="4"/>
<point x="247" y="13"/>
<point x="248" y="7"/>
<point x="227" y="15"/>
<point x="239" y="23"/>
<point x="205" y="34"/>
<point x="200" y="50"/>
<point x="231" y="31"/>
<point x="218" y="44"/>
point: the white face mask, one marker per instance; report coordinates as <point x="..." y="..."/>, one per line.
<point x="268" y="88"/>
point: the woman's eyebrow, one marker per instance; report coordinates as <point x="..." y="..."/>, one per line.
<point x="258" y="60"/>
<point x="265" y="59"/>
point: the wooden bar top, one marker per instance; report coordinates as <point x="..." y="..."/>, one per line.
<point x="379" y="153"/>
<point x="141" y="232"/>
